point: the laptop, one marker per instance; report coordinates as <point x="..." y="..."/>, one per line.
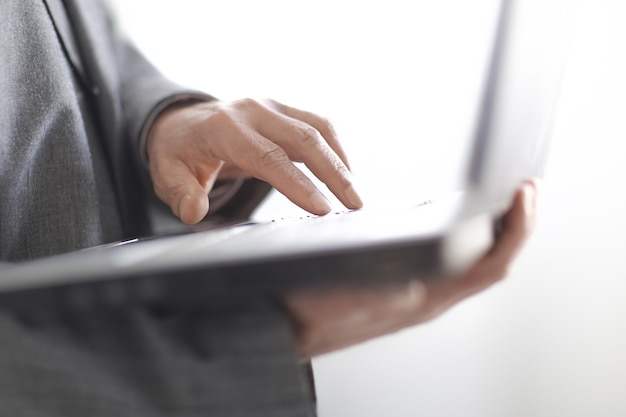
<point x="433" y="240"/>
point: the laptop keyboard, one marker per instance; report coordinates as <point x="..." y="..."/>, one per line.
<point x="216" y="243"/>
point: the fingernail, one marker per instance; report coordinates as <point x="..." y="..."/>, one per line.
<point x="354" y="200"/>
<point x="181" y="205"/>
<point x="320" y="203"/>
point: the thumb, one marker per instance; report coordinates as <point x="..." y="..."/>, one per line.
<point x="180" y="189"/>
<point x="193" y="206"/>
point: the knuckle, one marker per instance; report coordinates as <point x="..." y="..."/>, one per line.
<point x="270" y="157"/>
<point x="170" y="194"/>
<point x="247" y="103"/>
<point x="327" y="124"/>
<point x="309" y="136"/>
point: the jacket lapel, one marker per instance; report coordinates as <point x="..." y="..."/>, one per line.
<point x="61" y="22"/>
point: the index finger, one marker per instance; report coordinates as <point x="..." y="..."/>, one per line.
<point x="304" y="143"/>
<point x="321" y="124"/>
<point x="267" y="161"/>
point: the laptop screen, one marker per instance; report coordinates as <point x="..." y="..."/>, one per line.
<point x="520" y="96"/>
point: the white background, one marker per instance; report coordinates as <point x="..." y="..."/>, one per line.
<point x="399" y="79"/>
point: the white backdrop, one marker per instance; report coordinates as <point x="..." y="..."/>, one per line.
<point x="399" y="79"/>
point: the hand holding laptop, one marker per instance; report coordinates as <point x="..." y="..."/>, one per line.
<point x="189" y="147"/>
<point x="330" y="319"/>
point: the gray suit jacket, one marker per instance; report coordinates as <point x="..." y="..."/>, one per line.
<point x="74" y="97"/>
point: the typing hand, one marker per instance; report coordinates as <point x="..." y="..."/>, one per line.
<point x="331" y="319"/>
<point x="190" y="146"/>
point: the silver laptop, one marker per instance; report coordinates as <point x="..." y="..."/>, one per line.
<point x="433" y="240"/>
